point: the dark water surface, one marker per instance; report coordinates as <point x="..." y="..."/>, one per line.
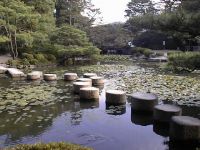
<point x="92" y="124"/>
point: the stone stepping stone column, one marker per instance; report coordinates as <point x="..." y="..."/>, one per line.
<point x="78" y="85"/>
<point x="70" y="76"/>
<point x="185" y="128"/>
<point x="164" y="113"/>
<point x="35" y="75"/>
<point x="50" y="77"/>
<point x="89" y="93"/>
<point x="143" y="101"/>
<point x="84" y="80"/>
<point x="15" y="73"/>
<point x="97" y="81"/>
<point x="3" y="69"/>
<point x="115" y="97"/>
<point x="88" y="75"/>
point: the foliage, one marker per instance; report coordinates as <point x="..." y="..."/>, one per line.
<point x="72" y="43"/>
<point x="137" y="51"/>
<point x="178" y="19"/>
<point x="110" y="36"/>
<point x="140" y="7"/>
<point x="79" y="13"/>
<point x="49" y="146"/>
<point x="113" y="58"/>
<point x="184" y="61"/>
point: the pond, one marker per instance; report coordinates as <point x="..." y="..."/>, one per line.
<point x="40" y="111"/>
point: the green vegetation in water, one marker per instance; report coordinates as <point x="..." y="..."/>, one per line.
<point x="12" y="99"/>
<point x="113" y="58"/>
<point x="49" y="146"/>
<point x="181" y="89"/>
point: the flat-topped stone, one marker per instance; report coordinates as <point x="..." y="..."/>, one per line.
<point x="78" y="85"/>
<point x="50" y="77"/>
<point x="185" y="128"/>
<point x="84" y="80"/>
<point x="70" y="76"/>
<point x="97" y="80"/>
<point x="3" y="69"/>
<point x="35" y="75"/>
<point x="15" y="73"/>
<point x="164" y="113"/>
<point x="89" y="93"/>
<point x="143" y="101"/>
<point x="115" y="97"/>
<point x="88" y="75"/>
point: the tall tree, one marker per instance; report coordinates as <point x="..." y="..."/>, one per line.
<point x="140" y="7"/>
<point x="17" y="21"/>
<point x="79" y="13"/>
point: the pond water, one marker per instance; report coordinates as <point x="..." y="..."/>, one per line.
<point x="49" y="111"/>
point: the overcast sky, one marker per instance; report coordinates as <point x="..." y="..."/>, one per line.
<point x="112" y="10"/>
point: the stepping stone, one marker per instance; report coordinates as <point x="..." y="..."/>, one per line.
<point x="164" y="113"/>
<point x="84" y="80"/>
<point x="97" y="80"/>
<point x="185" y="128"/>
<point x="50" y="77"/>
<point x="89" y="93"/>
<point x="70" y="76"/>
<point x="35" y="75"/>
<point x="115" y="97"/>
<point x="3" y="69"/>
<point x="143" y="101"/>
<point x="88" y="75"/>
<point x="15" y="73"/>
<point x="78" y="85"/>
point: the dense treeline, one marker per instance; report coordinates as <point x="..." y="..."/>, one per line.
<point x="37" y="27"/>
<point x="177" y="20"/>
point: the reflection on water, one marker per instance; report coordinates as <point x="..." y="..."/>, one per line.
<point x="115" y="109"/>
<point x="141" y="118"/>
<point x="183" y="145"/>
<point x="161" y="129"/>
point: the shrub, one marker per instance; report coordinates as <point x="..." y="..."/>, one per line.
<point x="184" y="61"/>
<point x="50" y="57"/>
<point x="27" y="56"/>
<point x="41" y="58"/>
<point x="137" y="51"/>
<point x="50" y="146"/>
<point x="15" y="62"/>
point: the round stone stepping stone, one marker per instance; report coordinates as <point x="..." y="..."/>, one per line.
<point x="84" y="80"/>
<point x="88" y="75"/>
<point x="89" y="93"/>
<point x="70" y="76"/>
<point x="97" y="80"/>
<point x="35" y="75"/>
<point x="115" y="97"/>
<point x="185" y="128"/>
<point x="78" y="85"/>
<point x="143" y="101"/>
<point x="50" y="77"/>
<point x="164" y="113"/>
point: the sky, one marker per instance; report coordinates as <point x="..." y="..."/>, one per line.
<point x="112" y="10"/>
